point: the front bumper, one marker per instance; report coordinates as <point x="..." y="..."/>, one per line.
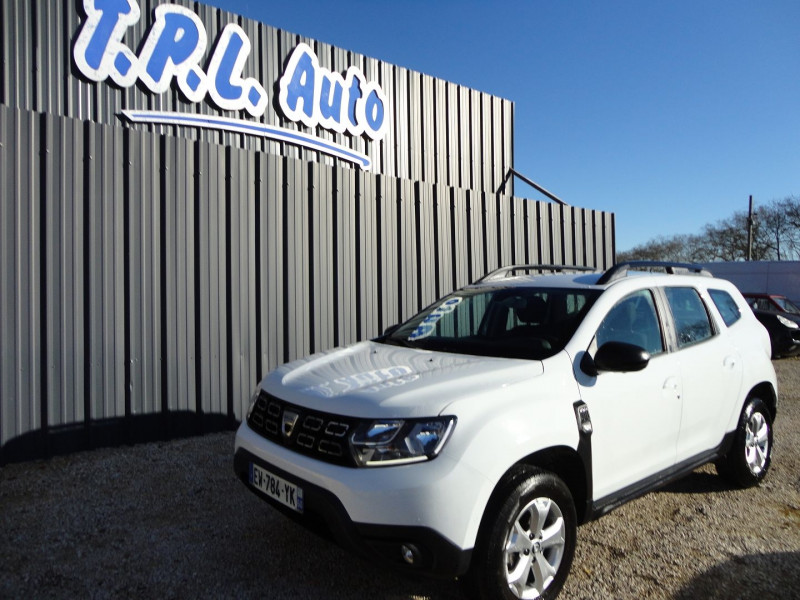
<point x="394" y="518"/>
<point x="786" y="343"/>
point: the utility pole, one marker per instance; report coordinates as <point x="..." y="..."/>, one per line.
<point x="750" y="231"/>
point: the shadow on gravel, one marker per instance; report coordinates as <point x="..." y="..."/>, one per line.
<point x="269" y="556"/>
<point x="751" y="576"/>
<point x="698" y="483"/>
<point x="170" y="521"/>
<point x="111" y="433"/>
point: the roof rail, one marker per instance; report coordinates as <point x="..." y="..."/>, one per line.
<point x="504" y="271"/>
<point x="620" y="270"/>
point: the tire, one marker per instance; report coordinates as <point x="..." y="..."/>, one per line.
<point x="749" y="458"/>
<point x="527" y="539"/>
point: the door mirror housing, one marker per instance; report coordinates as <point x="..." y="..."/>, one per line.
<point x="390" y="330"/>
<point x="615" y="357"/>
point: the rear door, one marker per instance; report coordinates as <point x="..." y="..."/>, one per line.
<point x="710" y="368"/>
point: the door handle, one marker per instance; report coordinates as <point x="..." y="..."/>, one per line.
<point x="672" y="386"/>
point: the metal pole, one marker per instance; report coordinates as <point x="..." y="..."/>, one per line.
<point x="750" y="231"/>
<point x="534" y="185"/>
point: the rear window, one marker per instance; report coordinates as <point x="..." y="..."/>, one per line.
<point x="692" y="324"/>
<point x="726" y="306"/>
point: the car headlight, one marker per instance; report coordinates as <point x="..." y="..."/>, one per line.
<point x="399" y="441"/>
<point x="788" y="322"/>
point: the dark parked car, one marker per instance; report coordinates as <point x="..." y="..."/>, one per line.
<point x="781" y="317"/>
<point x="784" y="333"/>
<point x="774" y="303"/>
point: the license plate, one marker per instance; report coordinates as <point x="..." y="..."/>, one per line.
<point x="277" y="488"/>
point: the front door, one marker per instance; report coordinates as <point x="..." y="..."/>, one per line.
<point x="635" y="416"/>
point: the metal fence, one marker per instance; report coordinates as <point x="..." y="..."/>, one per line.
<point x="150" y="274"/>
<point x="145" y="275"/>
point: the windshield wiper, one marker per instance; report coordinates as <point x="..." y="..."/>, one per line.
<point x="394" y="341"/>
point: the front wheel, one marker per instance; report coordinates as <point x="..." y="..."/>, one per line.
<point x="528" y="538"/>
<point x="748" y="460"/>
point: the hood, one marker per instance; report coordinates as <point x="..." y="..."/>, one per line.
<point x="373" y="380"/>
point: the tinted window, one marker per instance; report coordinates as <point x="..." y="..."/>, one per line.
<point x="762" y="304"/>
<point x="633" y="320"/>
<point x="691" y="319"/>
<point x="726" y="305"/>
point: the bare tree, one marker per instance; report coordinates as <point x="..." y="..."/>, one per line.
<point x="660" y="248"/>
<point x="776" y="236"/>
<point x="786" y="225"/>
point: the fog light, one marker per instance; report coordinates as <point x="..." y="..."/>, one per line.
<point x="410" y="553"/>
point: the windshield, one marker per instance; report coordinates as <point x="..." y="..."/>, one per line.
<point x="787" y="305"/>
<point x="532" y="323"/>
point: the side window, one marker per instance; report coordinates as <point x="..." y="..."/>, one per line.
<point x="692" y="324"/>
<point x="633" y="320"/>
<point x="763" y="304"/>
<point x="726" y="305"/>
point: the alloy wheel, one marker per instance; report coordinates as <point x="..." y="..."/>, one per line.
<point x="756" y="447"/>
<point x="534" y="548"/>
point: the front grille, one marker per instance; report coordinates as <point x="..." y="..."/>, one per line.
<point x="321" y="435"/>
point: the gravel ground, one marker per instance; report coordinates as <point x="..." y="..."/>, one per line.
<point x="170" y="520"/>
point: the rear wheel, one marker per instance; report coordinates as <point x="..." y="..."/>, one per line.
<point x="528" y="540"/>
<point x="748" y="460"/>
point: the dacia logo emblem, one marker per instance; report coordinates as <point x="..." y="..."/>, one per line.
<point x="288" y="422"/>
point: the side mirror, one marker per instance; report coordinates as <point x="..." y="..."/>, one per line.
<point x="617" y="357"/>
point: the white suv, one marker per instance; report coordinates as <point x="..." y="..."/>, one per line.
<point x="474" y="438"/>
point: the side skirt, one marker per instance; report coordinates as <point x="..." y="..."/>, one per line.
<point x="605" y="505"/>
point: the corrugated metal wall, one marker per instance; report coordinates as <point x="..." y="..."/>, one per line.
<point x="145" y="274"/>
<point x="441" y="132"/>
<point x="148" y="278"/>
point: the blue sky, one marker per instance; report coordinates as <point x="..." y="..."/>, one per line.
<point x="669" y="114"/>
